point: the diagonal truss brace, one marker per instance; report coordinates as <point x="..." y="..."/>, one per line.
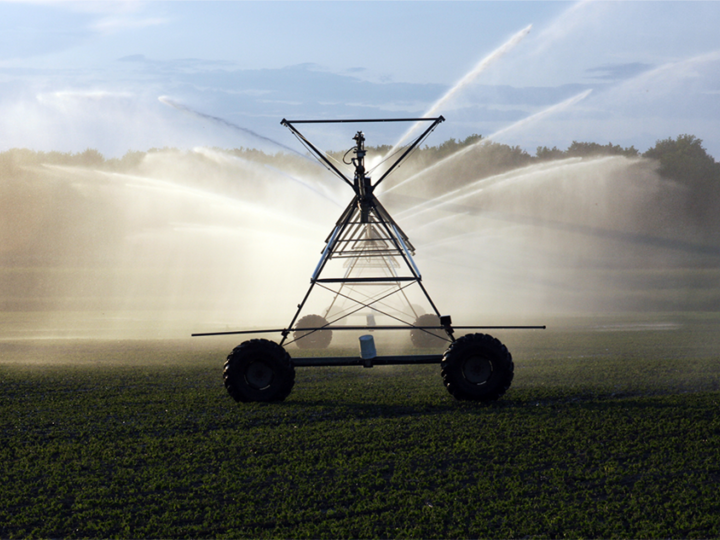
<point x="365" y="229"/>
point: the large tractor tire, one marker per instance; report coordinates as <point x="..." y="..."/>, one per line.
<point x="477" y="367"/>
<point x="427" y="338"/>
<point x="320" y="339"/>
<point x="259" y="370"/>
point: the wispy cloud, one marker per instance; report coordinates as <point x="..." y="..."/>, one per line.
<point x="688" y="68"/>
<point x="614" y="72"/>
<point x="87" y="6"/>
<point x="94" y="95"/>
<point x="114" y="15"/>
<point x="667" y="88"/>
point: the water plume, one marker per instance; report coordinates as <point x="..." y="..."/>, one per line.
<point x="565" y="24"/>
<point x="577" y="236"/>
<point x="175" y="246"/>
<point x="198" y="241"/>
<point x="554" y="109"/>
<point x="459" y="194"/>
<point x="520" y="124"/>
<point x="662" y="86"/>
<point x="319" y="188"/>
<point x="466" y="80"/>
<point x="184" y="108"/>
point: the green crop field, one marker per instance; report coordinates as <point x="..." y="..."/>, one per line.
<point x="611" y="429"/>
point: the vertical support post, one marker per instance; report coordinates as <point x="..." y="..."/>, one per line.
<point x="363" y="185"/>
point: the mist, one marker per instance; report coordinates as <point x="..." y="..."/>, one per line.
<point x="204" y="240"/>
<point x="189" y="241"/>
<point x="583" y="236"/>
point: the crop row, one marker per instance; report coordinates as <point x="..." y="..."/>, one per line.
<point x="157" y="449"/>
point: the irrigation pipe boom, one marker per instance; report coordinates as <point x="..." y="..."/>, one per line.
<point x="367" y="269"/>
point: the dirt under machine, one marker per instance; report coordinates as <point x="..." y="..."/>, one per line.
<point x="366" y="272"/>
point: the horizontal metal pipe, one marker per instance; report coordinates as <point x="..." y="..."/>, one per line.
<point x="356" y="120"/>
<point x="357" y="361"/>
<point x="388" y="279"/>
<point x="406" y="327"/>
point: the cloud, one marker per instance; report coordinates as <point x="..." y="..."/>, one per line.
<point x="666" y="101"/>
<point x="669" y="87"/>
<point x="614" y="72"/>
<point x="654" y="103"/>
<point x="100" y="16"/>
<point x="696" y="67"/>
<point x="94" y="95"/>
<point x="87" y="6"/>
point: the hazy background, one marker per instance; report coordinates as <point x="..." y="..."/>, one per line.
<point x="186" y="236"/>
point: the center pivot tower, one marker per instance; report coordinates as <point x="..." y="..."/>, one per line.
<point x="366" y="280"/>
<point x="378" y="275"/>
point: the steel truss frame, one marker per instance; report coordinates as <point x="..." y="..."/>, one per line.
<point x="366" y="233"/>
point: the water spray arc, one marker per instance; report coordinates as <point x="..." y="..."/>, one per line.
<point x="461" y="194"/>
<point x="465" y="81"/>
<point x="367" y="262"/>
<point x="487" y="140"/>
<point x="183" y="108"/>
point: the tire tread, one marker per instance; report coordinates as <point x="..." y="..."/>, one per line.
<point x="250" y="349"/>
<point x="500" y="381"/>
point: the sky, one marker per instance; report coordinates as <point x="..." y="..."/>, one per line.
<point x="122" y="76"/>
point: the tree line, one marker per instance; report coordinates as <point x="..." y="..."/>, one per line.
<point x="683" y="158"/>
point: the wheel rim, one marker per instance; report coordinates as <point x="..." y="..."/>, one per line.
<point x="313" y="338"/>
<point x="258" y="375"/>
<point x="477" y="370"/>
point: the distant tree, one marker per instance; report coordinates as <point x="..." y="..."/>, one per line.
<point x="128" y="162"/>
<point x="55" y="157"/>
<point x="22" y="156"/>
<point x="155" y="150"/>
<point x="450" y="146"/>
<point x="8" y="165"/>
<point x="501" y="157"/>
<point x="382" y="149"/>
<point x="426" y="154"/>
<point x="89" y="158"/>
<point x="543" y="153"/>
<point x="684" y="159"/>
<point x="585" y="149"/>
<point x="472" y="139"/>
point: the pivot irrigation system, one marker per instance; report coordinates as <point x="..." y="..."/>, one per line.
<point x="366" y="271"/>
